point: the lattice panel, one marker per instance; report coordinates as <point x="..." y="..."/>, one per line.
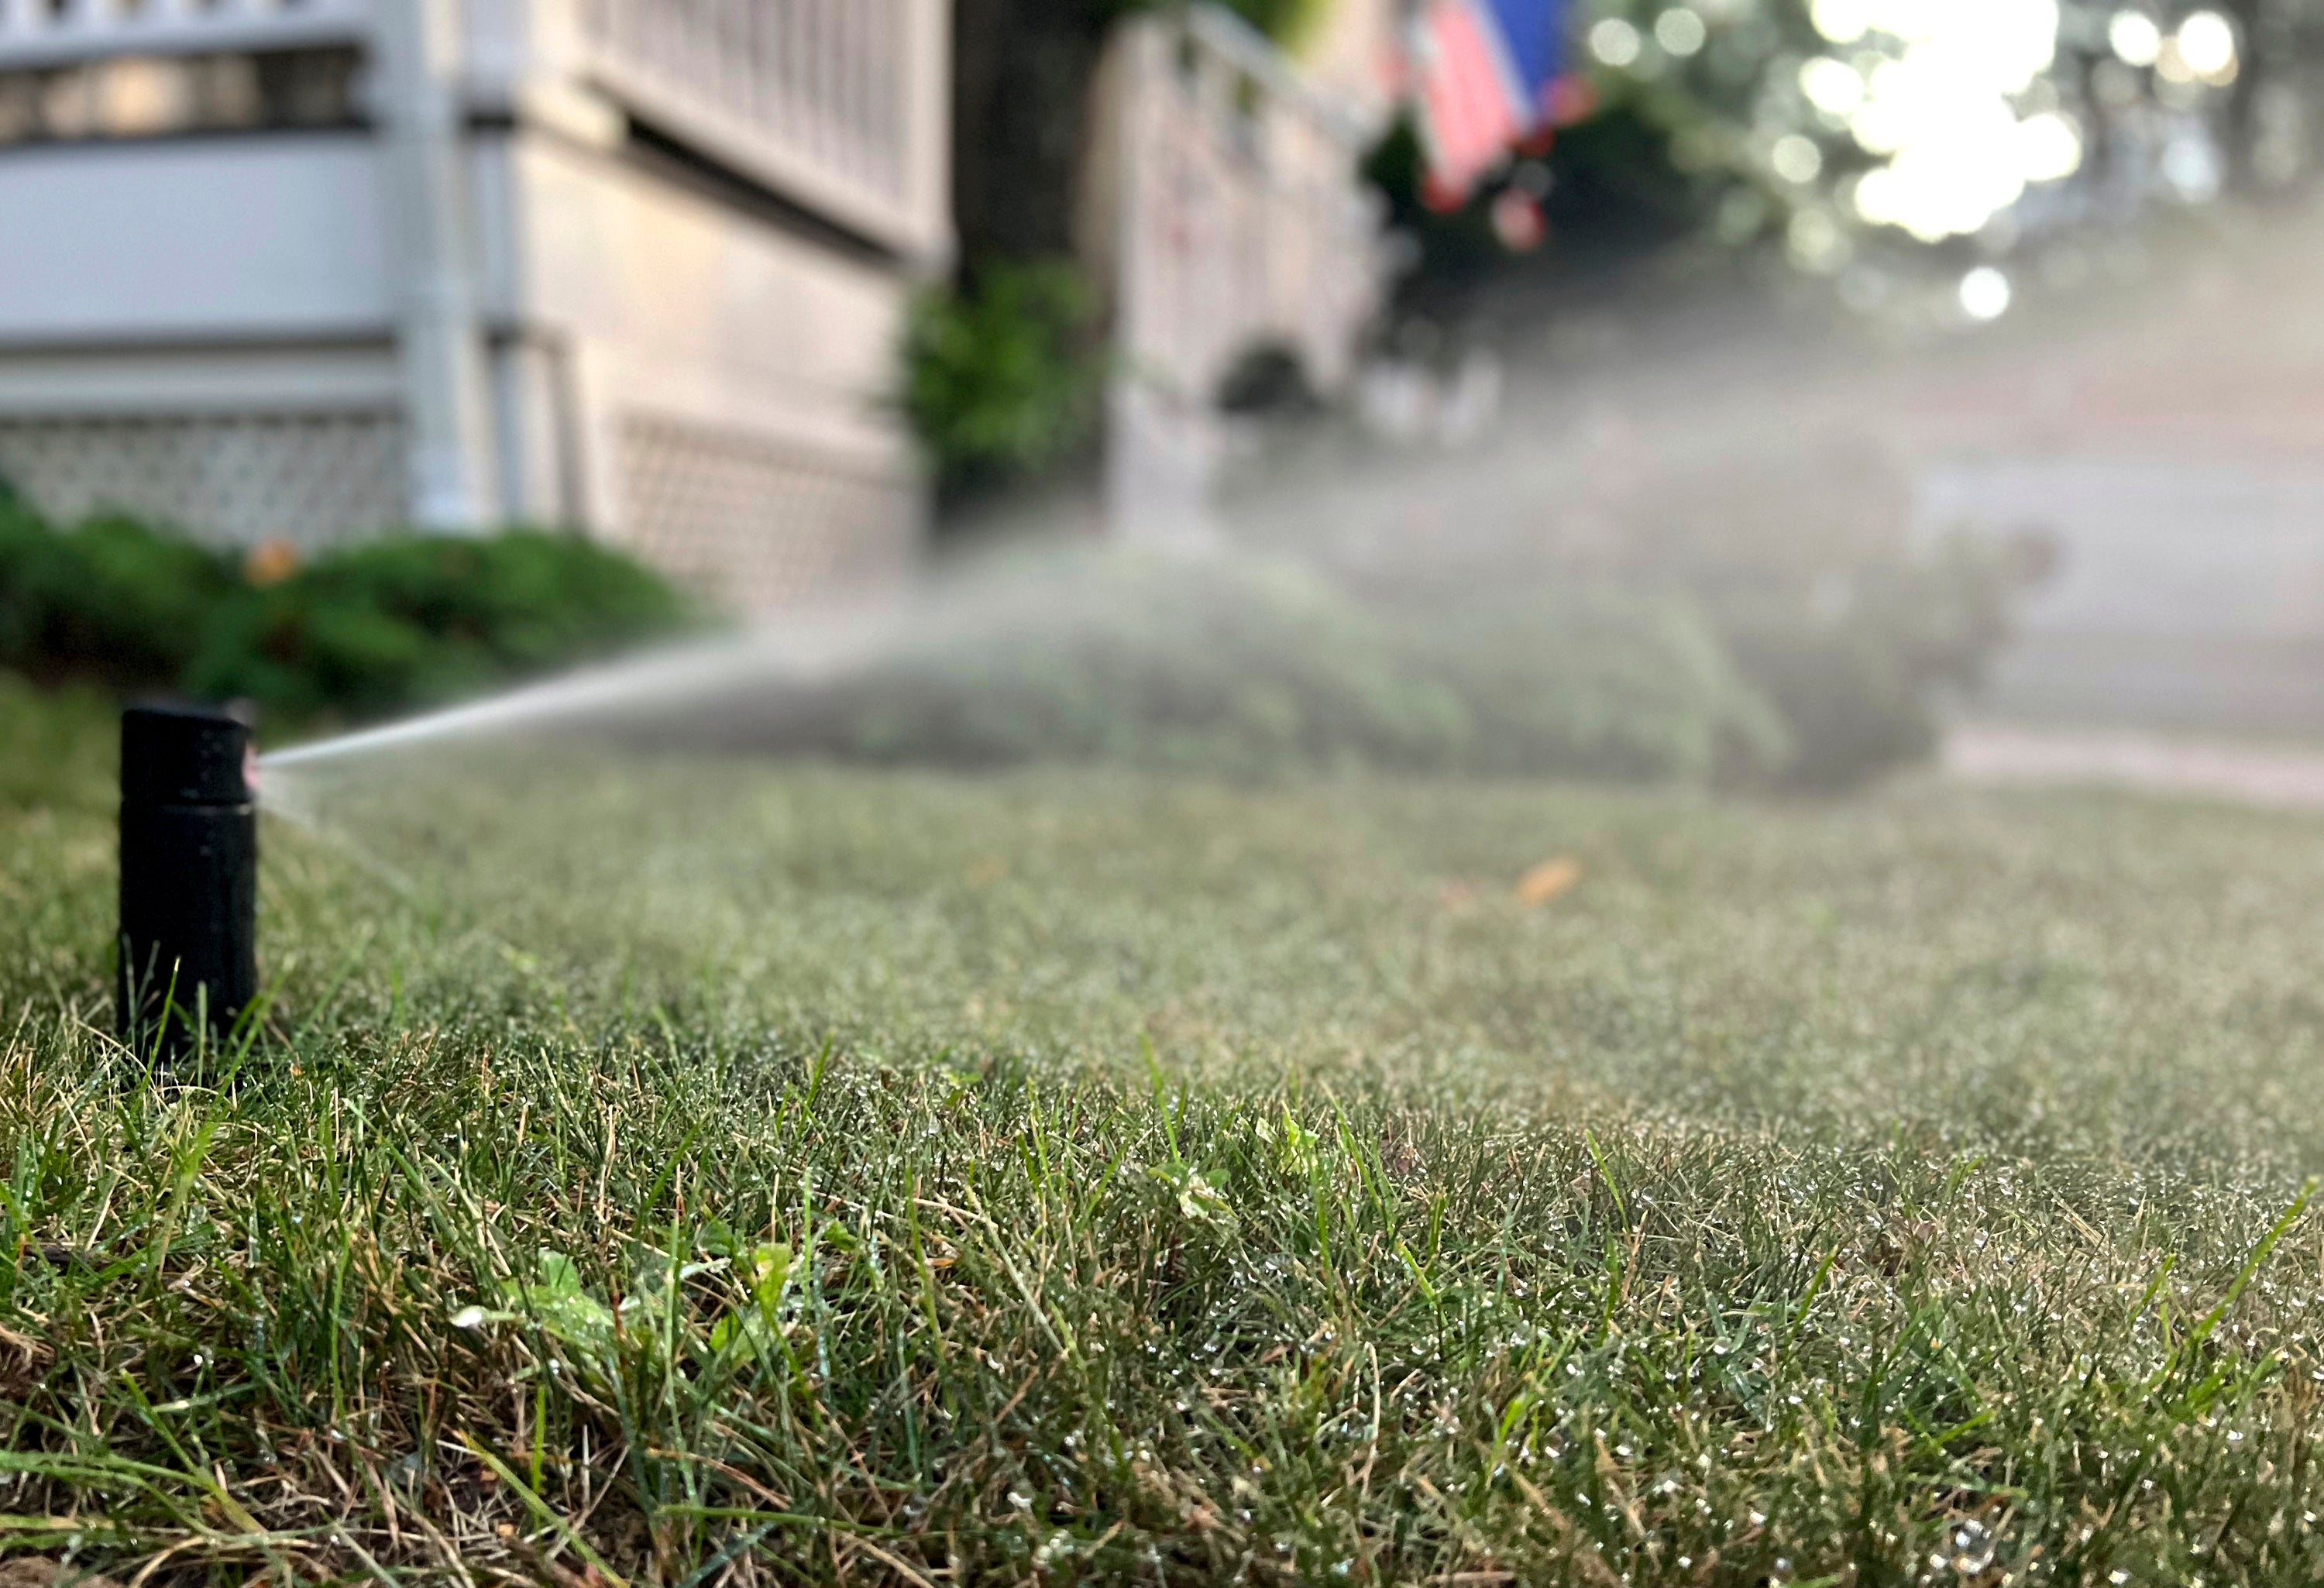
<point x="244" y="479"/>
<point x="755" y="523"/>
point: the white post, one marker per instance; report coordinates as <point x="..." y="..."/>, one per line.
<point x="1161" y="441"/>
<point x="448" y="456"/>
<point x="926" y="157"/>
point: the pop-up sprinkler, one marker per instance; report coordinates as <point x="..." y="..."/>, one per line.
<point x="189" y="877"/>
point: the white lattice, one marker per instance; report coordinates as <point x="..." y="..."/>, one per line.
<point x="242" y="478"/>
<point x="756" y="524"/>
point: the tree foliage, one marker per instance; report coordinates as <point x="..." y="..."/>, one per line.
<point x="1844" y="127"/>
<point x="1867" y="139"/>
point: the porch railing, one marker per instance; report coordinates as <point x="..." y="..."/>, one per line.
<point x="827" y="99"/>
<point x="836" y="104"/>
<point x="52" y="32"/>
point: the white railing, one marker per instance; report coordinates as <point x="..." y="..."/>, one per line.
<point x="1242" y="223"/>
<point x="1245" y="217"/>
<point x="52" y="32"/>
<point x="837" y="104"/>
<point x="817" y="96"/>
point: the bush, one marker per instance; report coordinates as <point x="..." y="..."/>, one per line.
<point x="109" y="601"/>
<point x="1850" y="624"/>
<point x="1776" y="675"/>
<point x="1158" y="661"/>
<point x="1001" y="378"/>
<point x="362" y="630"/>
<point x="1858" y="668"/>
<point x="1597" y="683"/>
<point x="1243" y="666"/>
<point x="412" y="620"/>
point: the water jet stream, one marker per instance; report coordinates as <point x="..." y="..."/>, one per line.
<point x="794" y="651"/>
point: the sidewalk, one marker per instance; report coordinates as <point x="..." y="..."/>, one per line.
<point x="2281" y="777"/>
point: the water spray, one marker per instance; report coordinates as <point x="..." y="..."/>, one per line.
<point x="638" y="693"/>
<point x="189" y="877"/>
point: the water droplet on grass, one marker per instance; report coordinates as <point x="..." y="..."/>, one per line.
<point x="1973" y="1545"/>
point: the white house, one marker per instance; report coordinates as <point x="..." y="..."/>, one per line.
<point x="301" y="269"/>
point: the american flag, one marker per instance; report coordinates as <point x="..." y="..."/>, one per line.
<point x="1482" y="68"/>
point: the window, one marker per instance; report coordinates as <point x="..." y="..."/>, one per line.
<point x="149" y="97"/>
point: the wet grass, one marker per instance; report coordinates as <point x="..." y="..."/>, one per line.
<point x="694" y="1174"/>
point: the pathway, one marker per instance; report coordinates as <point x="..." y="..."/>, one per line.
<point x="2281" y="777"/>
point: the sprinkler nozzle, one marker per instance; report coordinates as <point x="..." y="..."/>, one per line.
<point x="189" y="877"/>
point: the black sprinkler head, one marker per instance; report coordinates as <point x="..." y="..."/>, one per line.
<point x="189" y="877"/>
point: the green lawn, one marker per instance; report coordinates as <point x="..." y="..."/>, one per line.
<point x="693" y="1173"/>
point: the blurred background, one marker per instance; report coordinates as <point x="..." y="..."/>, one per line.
<point x="1771" y="392"/>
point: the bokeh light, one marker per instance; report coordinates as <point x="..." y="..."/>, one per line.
<point x="1831" y="86"/>
<point x="1680" y="30"/>
<point x="1939" y="105"/>
<point x="1985" y="293"/>
<point x="2049" y="147"/>
<point x="2134" y="37"/>
<point x="1796" y="159"/>
<point x="1615" y="41"/>
<point x="2207" y="44"/>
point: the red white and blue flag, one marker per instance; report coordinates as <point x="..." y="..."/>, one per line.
<point x="1482" y="69"/>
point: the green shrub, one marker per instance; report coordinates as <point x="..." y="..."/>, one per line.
<point x="1000" y="377"/>
<point x="1805" y="561"/>
<point x="1681" y="671"/>
<point x="1599" y="683"/>
<point x="1857" y="647"/>
<point x="1243" y="665"/>
<point x="410" y="620"/>
<point x="1288" y="23"/>
<point x="1858" y="669"/>
<point x="1126" y="657"/>
<point x="109" y="601"/>
<point x="362" y="631"/>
